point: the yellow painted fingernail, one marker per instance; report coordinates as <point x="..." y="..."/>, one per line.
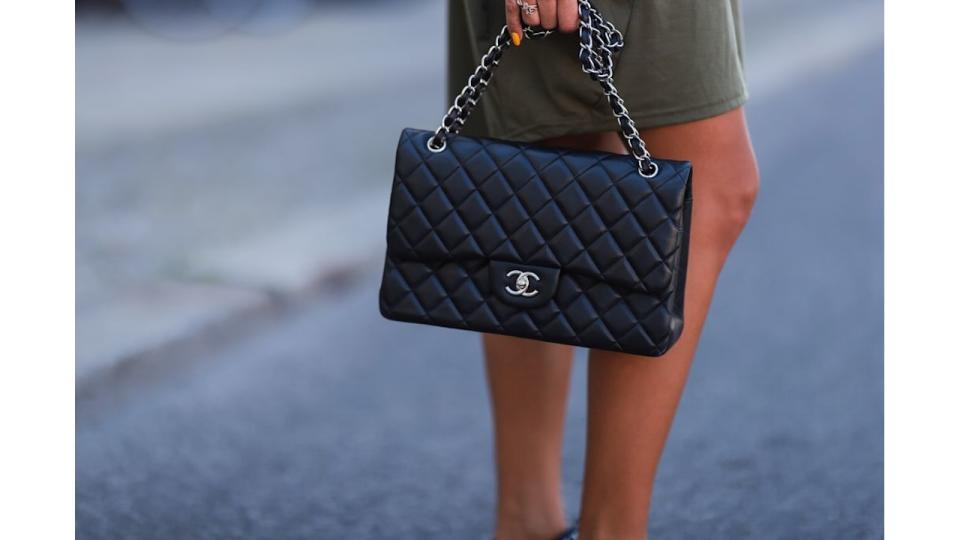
<point x="516" y="38"/>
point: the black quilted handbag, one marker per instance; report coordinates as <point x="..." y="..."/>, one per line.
<point x="583" y="248"/>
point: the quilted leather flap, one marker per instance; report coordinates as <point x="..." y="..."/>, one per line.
<point x="587" y="213"/>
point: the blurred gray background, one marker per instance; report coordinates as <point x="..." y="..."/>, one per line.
<point x="235" y="379"/>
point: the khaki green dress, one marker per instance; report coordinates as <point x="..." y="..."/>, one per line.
<point x="681" y="61"/>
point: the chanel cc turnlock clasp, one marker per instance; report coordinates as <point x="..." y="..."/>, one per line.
<point x="522" y="283"/>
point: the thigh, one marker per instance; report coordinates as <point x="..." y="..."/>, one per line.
<point x="708" y="142"/>
<point x="725" y="184"/>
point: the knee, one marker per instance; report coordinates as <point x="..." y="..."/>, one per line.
<point x="736" y="193"/>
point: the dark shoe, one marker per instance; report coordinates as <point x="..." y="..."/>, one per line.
<point x="569" y="534"/>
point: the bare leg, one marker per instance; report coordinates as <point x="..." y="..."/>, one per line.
<point x="632" y="400"/>
<point x="528" y="390"/>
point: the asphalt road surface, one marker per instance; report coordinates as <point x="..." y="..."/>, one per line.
<point x="333" y="423"/>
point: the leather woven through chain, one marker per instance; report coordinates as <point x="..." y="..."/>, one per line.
<point x="599" y="40"/>
<point x="615" y="241"/>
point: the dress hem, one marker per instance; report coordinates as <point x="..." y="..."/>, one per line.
<point x="591" y="124"/>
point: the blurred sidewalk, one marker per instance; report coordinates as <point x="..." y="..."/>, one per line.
<point x="217" y="179"/>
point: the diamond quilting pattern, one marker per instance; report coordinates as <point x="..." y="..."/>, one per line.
<point x="619" y="241"/>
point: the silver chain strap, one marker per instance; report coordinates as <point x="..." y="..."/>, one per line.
<point x="599" y="40"/>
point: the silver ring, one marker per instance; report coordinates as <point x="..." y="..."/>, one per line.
<point x="656" y="169"/>
<point x="441" y="148"/>
<point x="527" y="9"/>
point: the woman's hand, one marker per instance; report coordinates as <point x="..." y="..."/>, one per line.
<point x="550" y="14"/>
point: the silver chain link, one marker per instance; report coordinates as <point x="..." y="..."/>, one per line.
<point x="599" y="40"/>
